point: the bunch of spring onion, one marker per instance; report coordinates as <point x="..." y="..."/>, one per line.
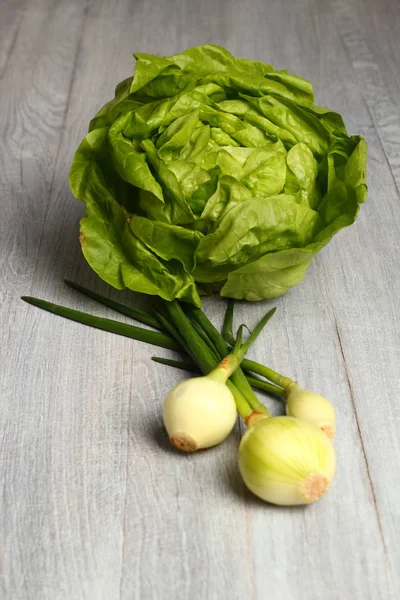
<point x="285" y="460"/>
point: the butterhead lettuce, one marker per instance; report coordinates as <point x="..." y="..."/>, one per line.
<point x="213" y="173"/>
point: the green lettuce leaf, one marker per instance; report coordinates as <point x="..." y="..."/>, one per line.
<point x="208" y="172"/>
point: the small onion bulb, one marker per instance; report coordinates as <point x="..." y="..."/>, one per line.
<point x="198" y="413"/>
<point x="286" y="461"/>
<point x="307" y="405"/>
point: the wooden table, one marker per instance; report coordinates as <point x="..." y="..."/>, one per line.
<point x="95" y="505"/>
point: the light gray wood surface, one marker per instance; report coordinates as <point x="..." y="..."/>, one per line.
<point x="94" y="503"/>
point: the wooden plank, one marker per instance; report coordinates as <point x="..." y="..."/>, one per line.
<point x="162" y="495"/>
<point x="10" y="23"/>
<point x="35" y="91"/>
<point x="379" y="27"/>
<point x="369" y="326"/>
<point x="366" y="57"/>
<point x="318" y="551"/>
<point x="96" y="503"/>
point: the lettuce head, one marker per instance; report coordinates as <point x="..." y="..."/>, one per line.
<point x="209" y="173"/>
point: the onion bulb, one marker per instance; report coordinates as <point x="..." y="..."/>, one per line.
<point x="311" y="407"/>
<point x="286" y="461"/>
<point x="199" y="412"/>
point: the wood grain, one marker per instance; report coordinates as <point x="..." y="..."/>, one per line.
<point x="10" y="23"/>
<point x="95" y="505"/>
<point x="377" y="87"/>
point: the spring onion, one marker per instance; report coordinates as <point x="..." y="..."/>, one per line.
<point x="311" y="407"/>
<point x="201" y="411"/>
<point x="286" y="461"/>
<point x="198" y="412"/>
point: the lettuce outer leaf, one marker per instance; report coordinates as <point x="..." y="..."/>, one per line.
<point x="208" y="172"/>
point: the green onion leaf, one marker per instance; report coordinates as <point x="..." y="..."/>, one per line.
<point x="131" y="331"/>
<point x="227" y="328"/>
<point x="121" y="308"/>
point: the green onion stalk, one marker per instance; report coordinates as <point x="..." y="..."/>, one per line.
<point x="300" y="403"/>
